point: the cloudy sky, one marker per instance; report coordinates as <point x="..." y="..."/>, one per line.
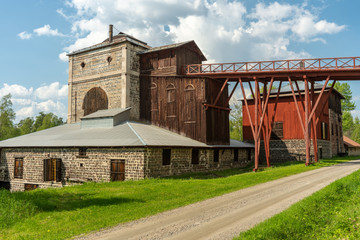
<point x="37" y="34"/>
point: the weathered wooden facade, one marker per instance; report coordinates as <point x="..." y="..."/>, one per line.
<point x="176" y="102"/>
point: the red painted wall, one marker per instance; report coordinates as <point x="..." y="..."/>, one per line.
<point x="285" y="112"/>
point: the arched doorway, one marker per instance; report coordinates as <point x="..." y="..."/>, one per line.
<point x="95" y="99"/>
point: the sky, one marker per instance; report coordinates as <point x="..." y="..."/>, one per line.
<point x="37" y="34"/>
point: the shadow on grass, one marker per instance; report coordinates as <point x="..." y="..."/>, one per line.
<point x="65" y="201"/>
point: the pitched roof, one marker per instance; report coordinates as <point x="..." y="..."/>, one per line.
<point x="350" y="143"/>
<point x="126" y="134"/>
<point x="287" y="89"/>
<point x="176" y="45"/>
<point x="119" y="38"/>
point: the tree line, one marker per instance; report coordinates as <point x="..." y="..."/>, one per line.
<point x="350" y="124"/>
<point x="8" y="127"/>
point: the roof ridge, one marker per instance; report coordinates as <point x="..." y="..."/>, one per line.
<point x="140" y="138"/>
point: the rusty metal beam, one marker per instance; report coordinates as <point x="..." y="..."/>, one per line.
<point x="232" y="92"/>
<point x="307" y="129"/>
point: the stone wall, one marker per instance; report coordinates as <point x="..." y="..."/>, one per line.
<point x="95" y="166"/>
<point x="292" y="150"/>
<point x="115" y="69"/>
<point x="335" y="132"/>
<point x="75" y="169"/>
<point x="180" y="162"/>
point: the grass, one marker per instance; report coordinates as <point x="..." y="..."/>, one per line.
<point x="70" y="211"/>
<point x="331" y="213"/>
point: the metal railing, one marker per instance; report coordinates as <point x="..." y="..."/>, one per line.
<point x="275" y="66"/>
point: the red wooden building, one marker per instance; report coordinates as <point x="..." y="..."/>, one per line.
<point x="287" y="137"/>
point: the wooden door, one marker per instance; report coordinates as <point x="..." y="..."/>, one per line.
<point x="117" y="170"/>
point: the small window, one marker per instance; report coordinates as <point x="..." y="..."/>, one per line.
<point x="19" y="168"/>
<point x="109" y="59"/>
<point x="216" y="155"/>
<point x="332" y="129"/>
<point x="324" y="131"/>
<point x="236" y="155"/>
<point x="117" y="171"/>
<point x="29" y="187"/>
<point x="52" y="170"/>
<point x="166" y="156"/>
<point x="82" y="65"/>
<point x="82" y="152"/>
<point x="195" y="156"/>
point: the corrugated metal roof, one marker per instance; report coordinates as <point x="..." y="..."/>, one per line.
<point x="127" y="134"/>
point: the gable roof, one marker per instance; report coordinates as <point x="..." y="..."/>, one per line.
<point x="191" y="43"/>
<point x="349" y="142"/>
<point x="119" y="38"/>
<point x="317" y="87"/>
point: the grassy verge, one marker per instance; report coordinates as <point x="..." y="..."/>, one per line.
<point x="70" y="211"/>
<point x="331" y="213"/>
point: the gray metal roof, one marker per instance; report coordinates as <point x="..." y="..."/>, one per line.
<point x="127" y="134"/>
<point x="106" y="113"/>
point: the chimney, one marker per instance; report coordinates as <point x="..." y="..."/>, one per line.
<point x="110" y="33"/>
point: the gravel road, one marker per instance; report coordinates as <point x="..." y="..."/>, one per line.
<point x="224" y="217"/>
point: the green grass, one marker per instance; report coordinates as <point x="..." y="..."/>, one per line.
<point x="331" y="213"/>
<point x="70" y="211"/>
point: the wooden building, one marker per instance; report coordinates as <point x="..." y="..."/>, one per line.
<point x="287" y="138"/>
<point x="176" y="102"/>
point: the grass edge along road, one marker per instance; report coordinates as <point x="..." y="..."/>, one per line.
<point x="70" y="211"/>
<point x="331" y="213"/>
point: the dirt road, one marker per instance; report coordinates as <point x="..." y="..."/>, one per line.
<point x="226" y="216"/>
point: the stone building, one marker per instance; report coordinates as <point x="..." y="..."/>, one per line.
<point x="287" y="139"/>
<point x="131" y="115"/>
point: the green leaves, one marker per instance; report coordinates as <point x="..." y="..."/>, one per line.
<point x="28" y="125"/>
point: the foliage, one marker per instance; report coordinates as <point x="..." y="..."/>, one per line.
<point x="56" y="213"/>
<point x="7" y="117"/>
<point x="331" y="213"/>
<point x="348" y="123"/>
<point x="236" y="121"/>
<point x="344" y="88"/>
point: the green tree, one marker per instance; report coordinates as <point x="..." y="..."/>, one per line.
<point x="7" y="117"/>
<point x="236" y="120"/>
<point x="44" y="121"/>
<point x="344" y="88"/>
<point x="347" y="123"/>
<point x="26" y="125"/>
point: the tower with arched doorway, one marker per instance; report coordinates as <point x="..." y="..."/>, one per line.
<point x="105" y="76"/>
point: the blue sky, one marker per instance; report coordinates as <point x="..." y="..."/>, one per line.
<point x="36" y="35"/>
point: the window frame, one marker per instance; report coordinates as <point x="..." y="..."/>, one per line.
<point x="195" y="156"/>
<point x="236" y="155"/>
<point x="216" y="156"/>
<point x="166" y="157"/>
<point x="54" y="165"/>
<point x="19" y="171"/>
<point x="117" y="173"/>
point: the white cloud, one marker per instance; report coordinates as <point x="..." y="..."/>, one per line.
<point x="52" y="91"/>
<point x="225" y="30"/>
<point x="25" y="35"/>
<point x="47" y="31"/>
<point x="28" y="102"/>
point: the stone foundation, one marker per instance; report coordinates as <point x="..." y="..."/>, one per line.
<point x="95" y="166"/>
<point x="293" y="150"/>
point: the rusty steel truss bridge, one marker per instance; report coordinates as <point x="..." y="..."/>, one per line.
<point x="267" y="72"/>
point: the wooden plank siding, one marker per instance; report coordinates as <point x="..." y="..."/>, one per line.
<point x="176" y="103"/>
<point x="287" y="114"/>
